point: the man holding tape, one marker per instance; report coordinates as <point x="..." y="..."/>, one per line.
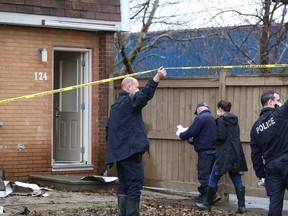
<point x="269" y="142"/>
<point x="127" y="140"/>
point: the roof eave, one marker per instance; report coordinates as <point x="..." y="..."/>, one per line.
<point x="58" y="22"/>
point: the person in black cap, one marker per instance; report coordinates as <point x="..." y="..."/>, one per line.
<point x="203" y="132"/>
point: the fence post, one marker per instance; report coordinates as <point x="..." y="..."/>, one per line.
<point x="222" y="83"/>
<point x="222" y="186"/>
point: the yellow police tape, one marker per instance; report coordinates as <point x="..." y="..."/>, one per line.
<point x="136" y="74"/>
<point x="230" y="67"/>
<point x="73" y="87"/>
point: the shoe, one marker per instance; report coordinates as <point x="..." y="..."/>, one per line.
<point x="200" y="198"/>
<point x="207" y="204"/>
<point x="203" y="206"/>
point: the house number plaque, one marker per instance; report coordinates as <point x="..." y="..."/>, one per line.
<point x="40" y="76"/>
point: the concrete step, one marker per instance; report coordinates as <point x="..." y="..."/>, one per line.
<point x="71" y="182"/>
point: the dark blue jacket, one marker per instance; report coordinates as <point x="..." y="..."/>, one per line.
<point x="269" y="137"/>
<point x="203" y="131"/>
<point x="125" y="130"/>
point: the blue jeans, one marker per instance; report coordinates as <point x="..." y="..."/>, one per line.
<point x="276" y="183"/>
<point x="131" y="177"/>
<point x="235" y="177"/>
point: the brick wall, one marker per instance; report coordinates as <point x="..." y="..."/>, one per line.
<point x="88" y="9"/>
<point x="29" y="121"/>
<point x="106" y="67"/>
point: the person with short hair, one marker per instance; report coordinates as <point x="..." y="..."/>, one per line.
<point x="203" y="132"/>
<point x="127" y="140"/>
<point x="229" y="157"/>
<point x="269" y="149"/>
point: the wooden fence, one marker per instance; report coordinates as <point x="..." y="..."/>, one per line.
<point x="172" y="163"/>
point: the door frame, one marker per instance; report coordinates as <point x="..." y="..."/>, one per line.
<point x="87" y="115"/>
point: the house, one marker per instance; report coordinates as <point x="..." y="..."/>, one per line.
<point x="49" y="45"/>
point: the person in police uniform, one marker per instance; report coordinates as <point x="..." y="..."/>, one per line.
<point x="127" y="140"/>
<point x="269" y="149"/>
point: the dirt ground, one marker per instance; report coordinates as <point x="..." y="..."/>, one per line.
<point x="56" y="201"/>
<point x="105" y="203"/>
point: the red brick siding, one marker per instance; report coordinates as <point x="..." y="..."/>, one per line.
<point x="29" y="121"/>
<point x="89" y="9"/>
<point x="106" y="66"/>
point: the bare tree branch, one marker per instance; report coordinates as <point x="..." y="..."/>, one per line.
<point x="272" y="34"/>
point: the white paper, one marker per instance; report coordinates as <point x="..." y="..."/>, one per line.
<point x="106" y="179"/>
<point x="180" y="130"/>
<point x="8" y="189"/>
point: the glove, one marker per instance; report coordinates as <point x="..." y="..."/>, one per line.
<point x="262" y="182"/>
<point x="190" y="140"/>
<point x="180" y="130"/>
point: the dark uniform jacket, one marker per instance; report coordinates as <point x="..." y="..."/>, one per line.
<point x="203" y="131"/>
<point x="125" y="130"/>
<point x="269" y="137"/>
<point x="229" y="152"/>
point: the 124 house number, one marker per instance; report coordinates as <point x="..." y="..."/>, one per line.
<point x="40" y="76"/>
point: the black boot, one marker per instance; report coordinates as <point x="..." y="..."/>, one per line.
<point x="122" y="202"/>
<point x="132" y="208"/>
<point x="200" y="197"/>
<point x="217" y="198"/>
<point x="207" y="204"/>
<point x="240" y="192"/>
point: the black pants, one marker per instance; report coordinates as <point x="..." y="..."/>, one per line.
<point x="131" y="177"/>
<point x="276" y="183"/>
<point x="205" y="162"/>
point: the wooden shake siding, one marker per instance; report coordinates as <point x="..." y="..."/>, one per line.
<point x="108" y="10"/>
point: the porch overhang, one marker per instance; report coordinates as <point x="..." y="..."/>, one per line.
<point x="61" y="22"/>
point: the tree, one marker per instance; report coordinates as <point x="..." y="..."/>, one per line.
<point x="271" y="26"/>
<point x="283" y="1"/>
<point x="268" y="23"/>
<point x="144" y="13"/>
<point x="147" y="11"/>
<point x="266" y="42"/>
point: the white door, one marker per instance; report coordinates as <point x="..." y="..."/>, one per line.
<point x="69" y="112"/>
